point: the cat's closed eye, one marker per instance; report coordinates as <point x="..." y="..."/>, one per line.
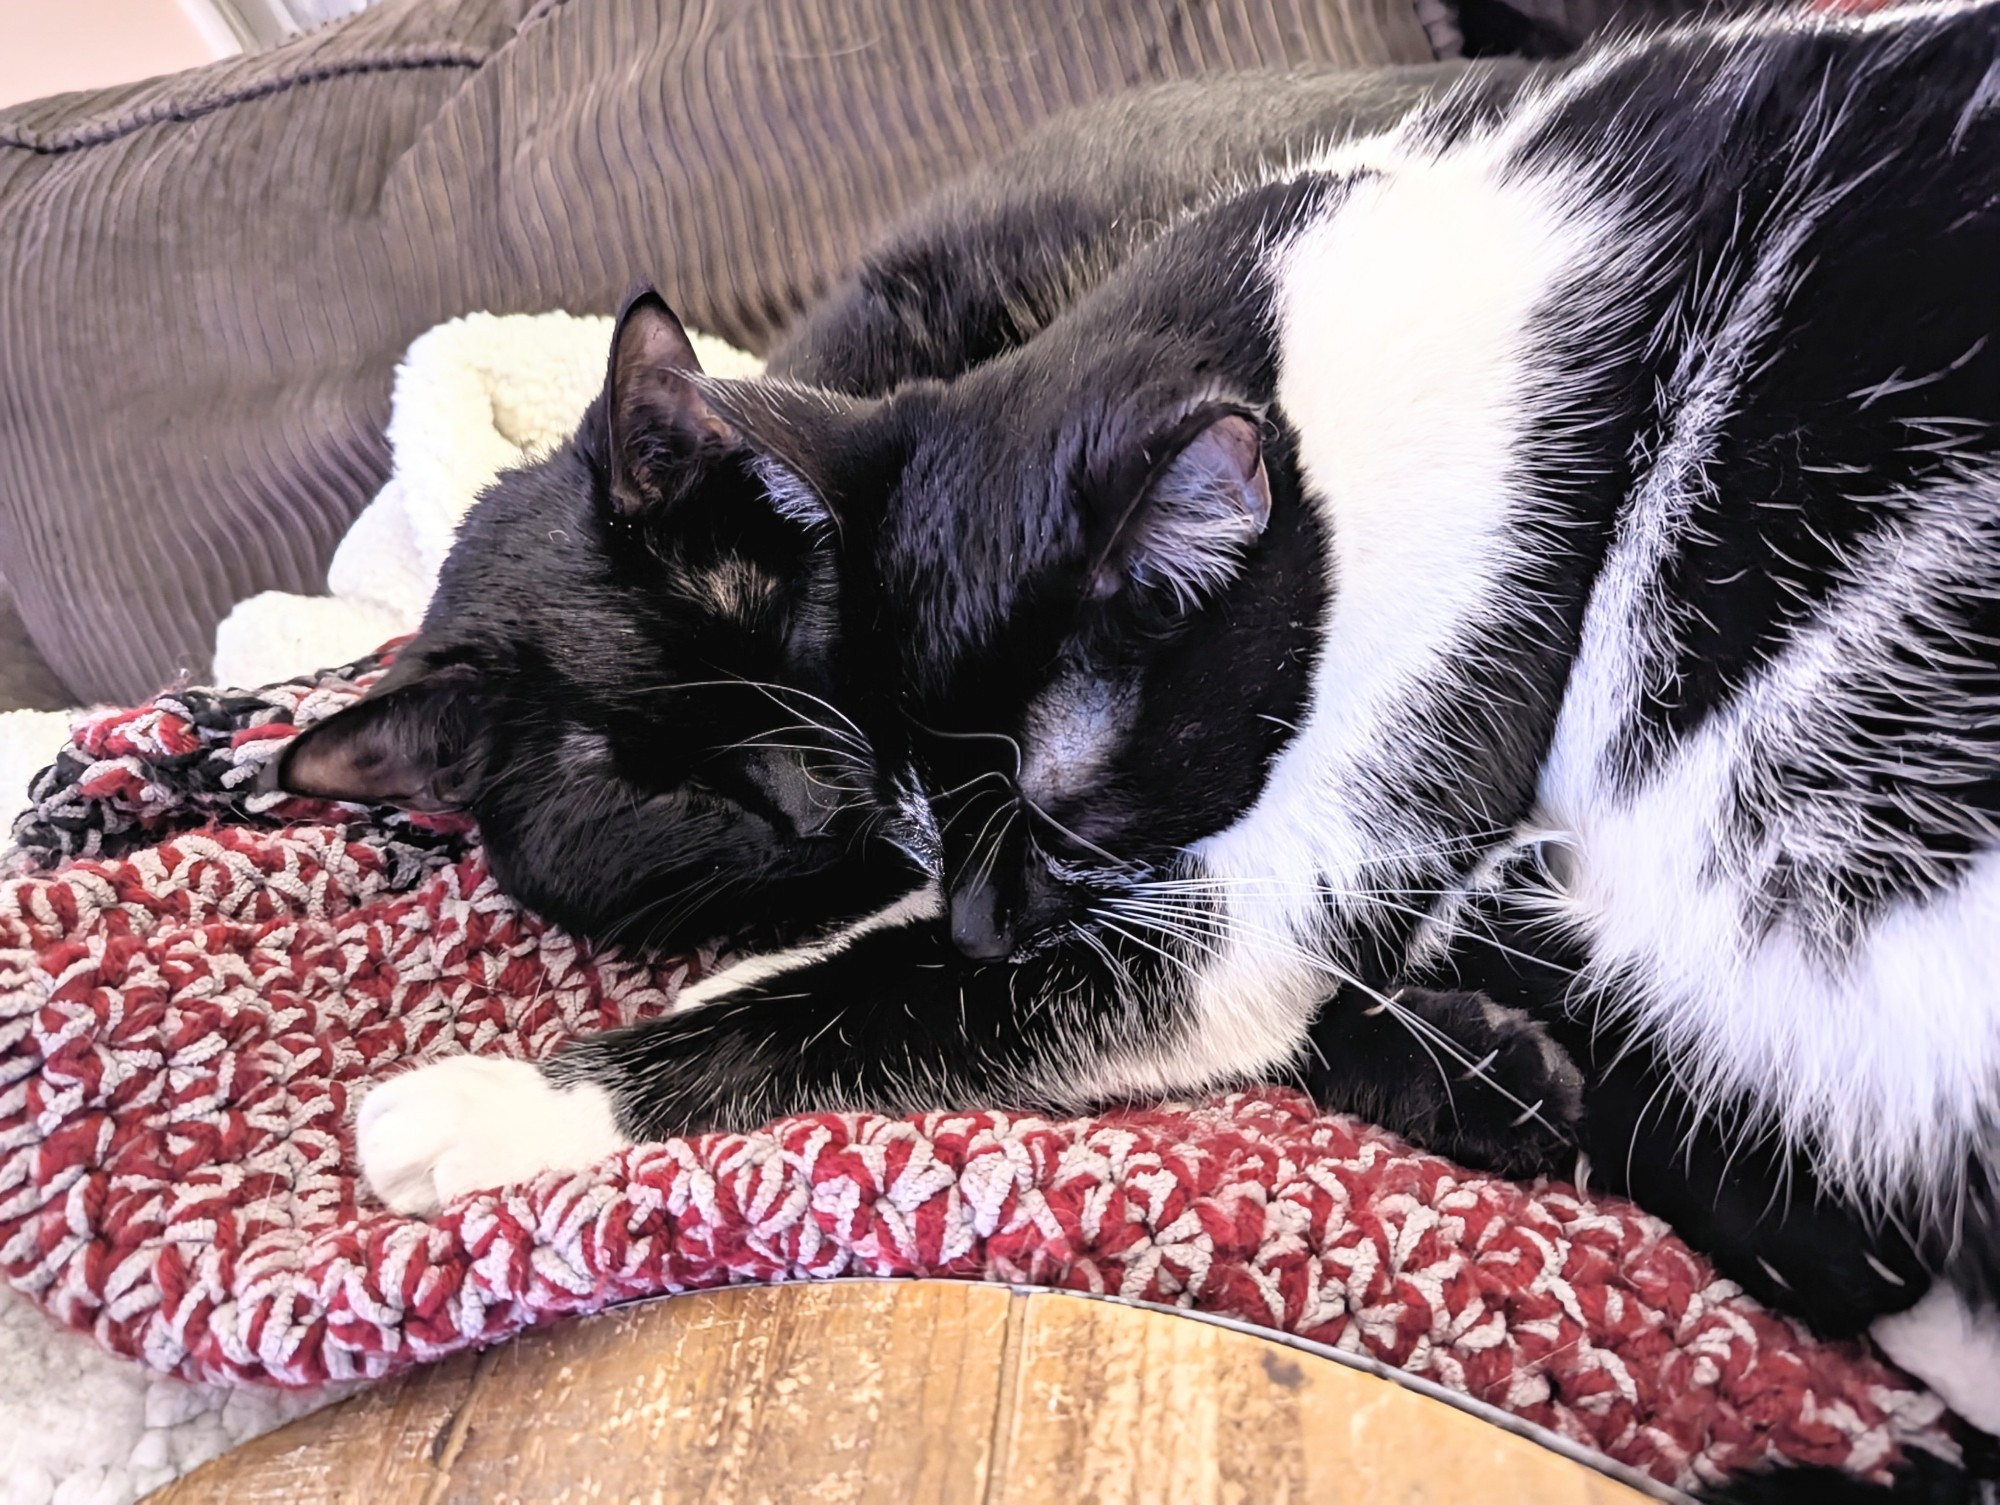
<point x="624" y="677"/>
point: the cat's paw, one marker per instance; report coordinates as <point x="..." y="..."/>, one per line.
<point x="1952" y="1345"/>
<point x="1542" y="1077"/>
<point x="468" y="1123"/>
<point x="1517" y="1096"/>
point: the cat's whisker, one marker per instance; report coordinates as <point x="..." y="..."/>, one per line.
<point x="1463" y="924"/>
<point x="1167" y="956"/>
<point x="1003" y="796"/>
<point x="1290" y="885"/>
<point x="1418" y="1026"/>
<point x="776" y="692"/>
<point x="1169" y="927"/>
<point x="1013" y="780"/>
<point x="758" y="744"/>
<point x="847" y="745"/>
<point x="1082" y="841"/>
<point x="655" y="915"/>
<point x="1462" y="843"/>
<point x="1119" y="970"/>
<point x="978" y="778"/>
<point x="1421" y="1030"/>
<point x="1408" y="1021"/>
<point x="993" y="848"/>
<point x="854" y="735"/>
<point x="1020" y="760"/>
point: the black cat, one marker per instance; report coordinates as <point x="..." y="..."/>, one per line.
<point x="631" y="670"/>
<point x="1502" y="618"/>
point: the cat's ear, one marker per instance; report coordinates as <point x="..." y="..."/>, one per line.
<point x="1203" y="498"/>
<point x="407" y="743"/>
<point x="798" y="439"/>
<point x="658" y="421"/>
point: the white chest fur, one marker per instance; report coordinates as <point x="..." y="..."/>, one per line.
<point x="1410" y="405"/>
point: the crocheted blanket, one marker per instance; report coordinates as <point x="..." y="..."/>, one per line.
<point x="198" y="981"/>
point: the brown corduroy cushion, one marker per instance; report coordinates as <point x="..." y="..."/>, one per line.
<point x="206" y="281"/>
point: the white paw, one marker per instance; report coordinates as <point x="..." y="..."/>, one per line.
<point x="1953" y="1348"/>
<point x="469" y="1123"/>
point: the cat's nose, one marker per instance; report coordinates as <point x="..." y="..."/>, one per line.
<point x="979" y="928"/>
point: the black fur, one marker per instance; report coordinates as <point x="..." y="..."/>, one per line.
<point x="1726" y="1187"/>
<point x="901" y="1017"/>
<point x="1920" y="1479"/>
<point x="1048" y="592"/>
<point x="975" y="517"/>
<point x="730" y="801"/>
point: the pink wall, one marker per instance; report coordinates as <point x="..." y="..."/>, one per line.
<point x="49" y="46"/>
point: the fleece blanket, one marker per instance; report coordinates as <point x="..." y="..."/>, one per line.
<point x="198" y="983"/>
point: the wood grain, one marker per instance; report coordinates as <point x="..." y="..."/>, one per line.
<point x="379" y="1445"/>
<point x="885" y="1393"/>
<point x="1118" y="1411"/>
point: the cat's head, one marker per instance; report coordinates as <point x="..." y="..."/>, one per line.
<point x="628" y="677"/>
<point x="1102" y="600"/>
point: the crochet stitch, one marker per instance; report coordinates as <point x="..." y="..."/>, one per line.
<point x="197" y="981"/>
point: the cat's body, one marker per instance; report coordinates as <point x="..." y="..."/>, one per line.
<point x="1504" y="618"/>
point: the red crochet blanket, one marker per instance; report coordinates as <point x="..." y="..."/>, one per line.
<point x="197" y="983"/>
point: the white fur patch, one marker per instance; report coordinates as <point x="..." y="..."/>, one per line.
<point x="1071" y="726"/>
<point x="791" y="497"/>
<point x="921" y="904"/>
<point x="1952" y="1348"/>
<point x="469" y="1123"/>
<point x="1881" y="1054"/>
<point x="1626" y="634"/>
<point x="731" y="587"/>
<point x="1411" y="403"/>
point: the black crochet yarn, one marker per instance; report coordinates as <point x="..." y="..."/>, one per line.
<point x="215" y="780"/>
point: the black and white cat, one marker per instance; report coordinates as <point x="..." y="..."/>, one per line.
<point x="1520" y="589"/>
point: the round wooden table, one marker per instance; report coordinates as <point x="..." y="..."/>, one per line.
<point x="903" y="1393"/>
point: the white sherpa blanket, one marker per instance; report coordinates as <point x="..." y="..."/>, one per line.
<point x="472" y="397"/>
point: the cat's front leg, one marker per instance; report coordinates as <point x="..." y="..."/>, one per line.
<point x="1452" y="1071"/>
<point x="466" y="1123"/>
<point x="888" y="1020"/>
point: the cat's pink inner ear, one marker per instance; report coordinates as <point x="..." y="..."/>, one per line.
<point x="376" y="752"/>
<point x="1202" y="511"/>
<point x="349" y="758"/>
<point x="1232" y="450"/>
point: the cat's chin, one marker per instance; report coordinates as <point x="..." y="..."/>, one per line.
<point x="474" y="1123"/>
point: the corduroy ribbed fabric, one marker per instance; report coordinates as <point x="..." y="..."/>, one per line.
<point x="206" y="280"/>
